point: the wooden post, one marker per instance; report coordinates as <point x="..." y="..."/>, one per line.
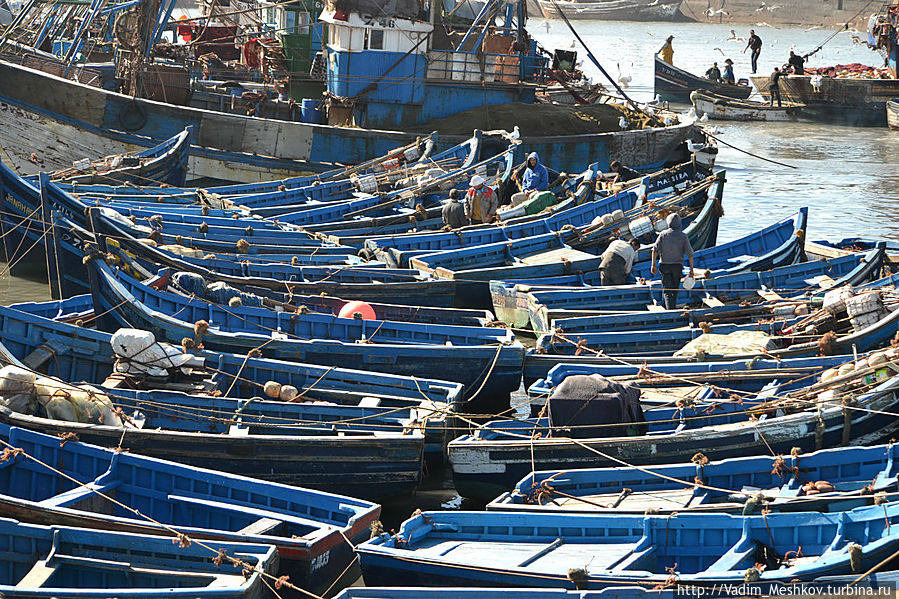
<point x="51" y="240"/>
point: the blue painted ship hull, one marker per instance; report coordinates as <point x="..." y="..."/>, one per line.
<point x="311" y="537"/>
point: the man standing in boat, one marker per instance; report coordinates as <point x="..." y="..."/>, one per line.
<point x="728" y="75"/>
<point x="669" y="250"/>
<point x="667" y="51"/>
<point x="755" y="44"/>
<point x="774" y="86"/>
<point x="480" y="201"/>
<point x="714" y="73"/>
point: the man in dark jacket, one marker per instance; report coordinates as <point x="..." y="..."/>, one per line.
<point x="774" y="86"/>
<point x="669" y="250"/>
<point x="755" y="44"/>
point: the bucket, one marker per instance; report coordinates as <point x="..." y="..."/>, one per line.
<point x="310" y="112"/>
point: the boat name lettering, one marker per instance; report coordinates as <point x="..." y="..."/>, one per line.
<point x="371" y="21"/>
<point x="18" y="205"/>
<point x="320" y="561"/>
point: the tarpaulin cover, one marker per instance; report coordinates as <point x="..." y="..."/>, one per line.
<point x="589" y="403"/>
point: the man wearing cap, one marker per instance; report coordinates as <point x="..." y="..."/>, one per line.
<point x="714" y="73"/>
<point x="728" y="75"/>
<point x="669" y="250"/>
<point x="480" y="201"/>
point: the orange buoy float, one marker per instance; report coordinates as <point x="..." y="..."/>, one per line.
<point x="350" y="309"/>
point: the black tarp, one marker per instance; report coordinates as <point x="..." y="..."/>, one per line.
<point x="588" y="404"/>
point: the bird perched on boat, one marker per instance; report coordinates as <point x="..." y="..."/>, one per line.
<point x="622" y="122"/>
<point x="704" y="118"/>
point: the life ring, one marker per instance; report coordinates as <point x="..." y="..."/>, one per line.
<point x="135" y="124"/>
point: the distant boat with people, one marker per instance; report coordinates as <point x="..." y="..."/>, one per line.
<point x="674" y="84"/>
<point x="612" y="10"/>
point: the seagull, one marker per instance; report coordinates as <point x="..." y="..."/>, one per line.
<point x="694" y="147"/>
<point x="711" y="13"/>
<point x="720" y="50"/>
<point x="547" y="26"/>
<point x="766" y="24"/>
<point x="650" y="34"/>
<point x="704" y="118"/>
<point x="733" y="37"/>
<point x="624" y="80"/>
<point x="622" y="122"/>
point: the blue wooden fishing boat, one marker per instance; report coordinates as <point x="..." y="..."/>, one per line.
<point x="687" y="380"/>
<point x="314" y="532"/>
<point x="363" y="413"/>
<point x="596" y="551"/>
<point x="585" y="207"/>
<point x="420" y="151"/>
<point x="164" y="163"/>
<point x="62" y="562"/>
<point x="791" y="280"/>
<point x="546" y="256"/>
<point x="825" y="248"/>
<point x="779" y="483"/>
<point x="821" y="585"/>
<point x="487" y="362"/>
<point x="774" y="246"/>
<point x="497" y="452"/>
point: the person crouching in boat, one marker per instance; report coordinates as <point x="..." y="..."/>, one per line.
<point x="617" y="261"/>
<point x="728" y="75"/>
<point x="480" y="201"/>
<point x="774" y="86"/>
<point x="714" y="73"/>
<point x="534" y="178"/>
<point x="453" y="212"/>
<point x="669" y="250"/>
<point x="667" y="51"/>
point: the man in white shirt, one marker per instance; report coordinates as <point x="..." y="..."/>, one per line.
<point x="618" y="260"/>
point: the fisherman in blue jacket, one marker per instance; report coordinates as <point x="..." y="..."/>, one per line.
<point x="534" y="178"/>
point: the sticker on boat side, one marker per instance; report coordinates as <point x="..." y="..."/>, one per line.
<point x="321" y="561"/>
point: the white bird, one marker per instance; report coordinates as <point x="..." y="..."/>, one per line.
<point x="622" y="122"/>
<point x="694" y="147"/>
<point x="691" y="113"/>
<point x="650" y="110"/>
<point x="704" y="118"/>
<point x="547" y="26"/>
<point x="766" y="24"/>
<point x="516" y="134"/>
<point x="734" y="38"/>
<point x="711" y="13"/>
<point x="720" y="50"/>
<point x="624" y="80"/>
<point x="657" y="99"/>
<point x="650" y="34"/>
